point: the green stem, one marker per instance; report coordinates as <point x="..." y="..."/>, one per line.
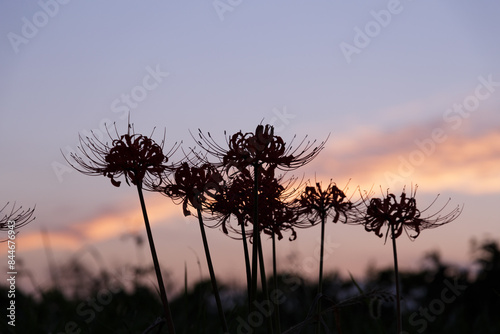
<point x="212" y="273"/>
<point x="396" y="274"/>
<point x="163" y="293"/>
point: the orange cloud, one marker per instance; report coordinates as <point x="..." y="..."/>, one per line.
<point x="115" y="224"/>
<point x="464" y="161"/>
<point x="28" y="241"/>
<point x="102" y="227"/>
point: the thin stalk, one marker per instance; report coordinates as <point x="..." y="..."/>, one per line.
<point x="275" y="276"/>
<point x="396" y="274"/>
<point x="186" y="298"/>
<point x="257" y="255"/>
<point x="320" y="283"/>
<point x="163" y="293"/>
<point x="264" y="285"/>
<point x="212" y="273"/>
<point x="247" y="260"/>
<point x="256" y="239"/>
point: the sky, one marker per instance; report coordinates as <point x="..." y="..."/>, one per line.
<point x="407" y="93"/>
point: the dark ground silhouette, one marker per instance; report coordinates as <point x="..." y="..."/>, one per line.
<point x="440" y="298"/>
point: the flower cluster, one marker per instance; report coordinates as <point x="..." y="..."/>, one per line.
<point x="245" y="183"/>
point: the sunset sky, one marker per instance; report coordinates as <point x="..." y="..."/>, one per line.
<point x="408" y="93"/>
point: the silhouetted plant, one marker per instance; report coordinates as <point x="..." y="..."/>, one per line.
<point x="17" y="215"/>
<point x="257" y="152"/>
<point x="233" y="200"/>
<point x="398" y="216"/>
<point x="262" y="147"/>
<point x="247" y="195"/>
<point x="193" y="185"/>
<point x="137" y="158"/>
<point x="316" y="204"/>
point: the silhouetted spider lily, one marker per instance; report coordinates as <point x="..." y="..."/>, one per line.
<point x="398" y="216"/>
<point x="131" y="155"/>
<point x="195" y="186"/>
<point x="316" y="204"/>
<point x="276" y="210"/>
<point x="137" y="158"/>
<point x="192" y="185"/>
<point x="260" y="147"/>
<point x="402" y="215"/>
<point x="18" y="216"/>
<point x="235" y="198"/>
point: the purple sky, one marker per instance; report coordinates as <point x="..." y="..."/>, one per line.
<point x="408" y="91"/>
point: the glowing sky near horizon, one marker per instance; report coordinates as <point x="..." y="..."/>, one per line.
<point x="413" y="99"/>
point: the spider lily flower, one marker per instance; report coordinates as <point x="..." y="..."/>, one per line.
<point x="279" y="217"/>
<point x="274" y="211"/>
<point x="193" y="185"/>
<point x="19" y="216"/>
<point x="134" y="156"/>
<point x="260" y="147"/>
<point x="403" y="215"/>
<point x="233" y="200"/>
<point x="316" y="203"/>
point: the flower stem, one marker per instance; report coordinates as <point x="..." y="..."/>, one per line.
<point x="212" y="273"/>
<point x="163" y="293"/>
<point x="396" y="276"/>
<point x="257" y="254"/>
<point x="264" y="285"/>
<point x="247" y="260"/>
<point x="256" y="235"/>
<point x="320" y="283"/>
<point x="275" y="276"/>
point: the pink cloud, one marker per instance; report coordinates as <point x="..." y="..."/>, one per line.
<point x="433" y="157"/>
<point x="102" y="226"/>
